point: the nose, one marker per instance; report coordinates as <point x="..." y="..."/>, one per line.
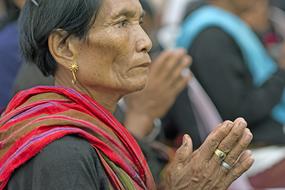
<point x="143" y="43"/>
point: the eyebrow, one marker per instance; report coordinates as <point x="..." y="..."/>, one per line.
<point x="127" y="13"/>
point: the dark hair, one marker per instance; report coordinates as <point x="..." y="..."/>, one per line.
<point x="38" y="22"/>
<point x="12" y="13"/>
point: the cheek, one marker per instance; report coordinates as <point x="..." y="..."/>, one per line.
<point x="121" y="48"/>
<point x="106" y="57"/>
<point x="114" y="44"/>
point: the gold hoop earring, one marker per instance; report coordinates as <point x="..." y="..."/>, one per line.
<point x="74" y="68"/>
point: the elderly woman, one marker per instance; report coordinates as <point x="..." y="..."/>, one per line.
<point x="65" y="137"/>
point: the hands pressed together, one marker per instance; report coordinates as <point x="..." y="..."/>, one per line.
<point x="220" y="160"/>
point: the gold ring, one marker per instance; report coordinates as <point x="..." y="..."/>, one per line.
<point x="222" y="155"/>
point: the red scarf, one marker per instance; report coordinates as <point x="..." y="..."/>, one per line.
<point x="37" y="117"/>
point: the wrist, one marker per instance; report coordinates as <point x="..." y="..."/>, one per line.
<point x="140" y="125"/>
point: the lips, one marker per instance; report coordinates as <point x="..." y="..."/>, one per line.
<point x="144" y="61"/>
<point x="146" y="64"/>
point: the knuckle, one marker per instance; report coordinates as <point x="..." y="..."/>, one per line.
<point x="213" y="143"/>
<point x="227" y="122"/>
<point x="224" y="184"/>
<point x="243" y="145"/>
<point x="236" y="134"/>
<point x="235" y="174"/>
<point x="182" y="154"/>
<point x="245" y="166"/>
<point x="223" y="133"/>
<point x="219" y="134"/>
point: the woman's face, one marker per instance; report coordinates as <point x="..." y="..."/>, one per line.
<point x="115" y="55"/>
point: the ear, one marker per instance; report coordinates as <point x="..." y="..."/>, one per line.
<point x="62" y="47"/>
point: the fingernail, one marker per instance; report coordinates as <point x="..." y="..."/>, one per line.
<point x="242" y="122"/>
<point x="248" y="152"/>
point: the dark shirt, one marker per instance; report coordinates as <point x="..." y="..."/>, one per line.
<point x="68" y="163"/>
<point x="10" y="61"/>
<point x="71" y="163"/>
<point x="181" y="120"/>
<point x="220" y="68"/>
<point x="29" y="76"/>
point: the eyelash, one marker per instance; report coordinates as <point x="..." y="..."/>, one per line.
<point x="123" y="23"/>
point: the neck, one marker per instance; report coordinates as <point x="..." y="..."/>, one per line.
<point x="226" y="5"/>
<point x="107" y="98"/>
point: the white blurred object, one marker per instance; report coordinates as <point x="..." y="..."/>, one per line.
<point x="174" y="11"/>
<point x="277" y="17"/>
<point x="171" y="19"/>
<point x="265" y="158"/>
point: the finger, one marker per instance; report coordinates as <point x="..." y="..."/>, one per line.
<point x="172" y="63"/>
<point x="158" y="63"/>
<point x="180" y="85"/>
<point x="236" y="133"/>
<point x="213" y="140"/>
<point x="230" y="141"/>
<point x="184" y="151"/>
<point x="239" y="148"/>
<point x="243" y="164"/>
<point x="177" y="75"/>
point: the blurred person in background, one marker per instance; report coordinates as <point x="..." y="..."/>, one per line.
<point x="278" y="3"/>
<point x="267" y="20"/>
<point x="238" y="74"/>
<point x="9" y="51"/>
<point x="228" y="62"/>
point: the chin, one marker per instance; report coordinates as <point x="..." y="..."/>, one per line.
<point x="136" y="86"/>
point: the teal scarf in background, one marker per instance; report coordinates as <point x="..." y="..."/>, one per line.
<point x="260" y="64"/>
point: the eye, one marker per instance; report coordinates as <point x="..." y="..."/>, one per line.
<point x="123" y="23"/>
<point x="141" y="21"/>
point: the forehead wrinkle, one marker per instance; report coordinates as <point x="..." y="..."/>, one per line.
<point x="127" y="13"/>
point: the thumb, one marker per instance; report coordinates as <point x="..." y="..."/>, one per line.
<point x="185" y="150"/>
